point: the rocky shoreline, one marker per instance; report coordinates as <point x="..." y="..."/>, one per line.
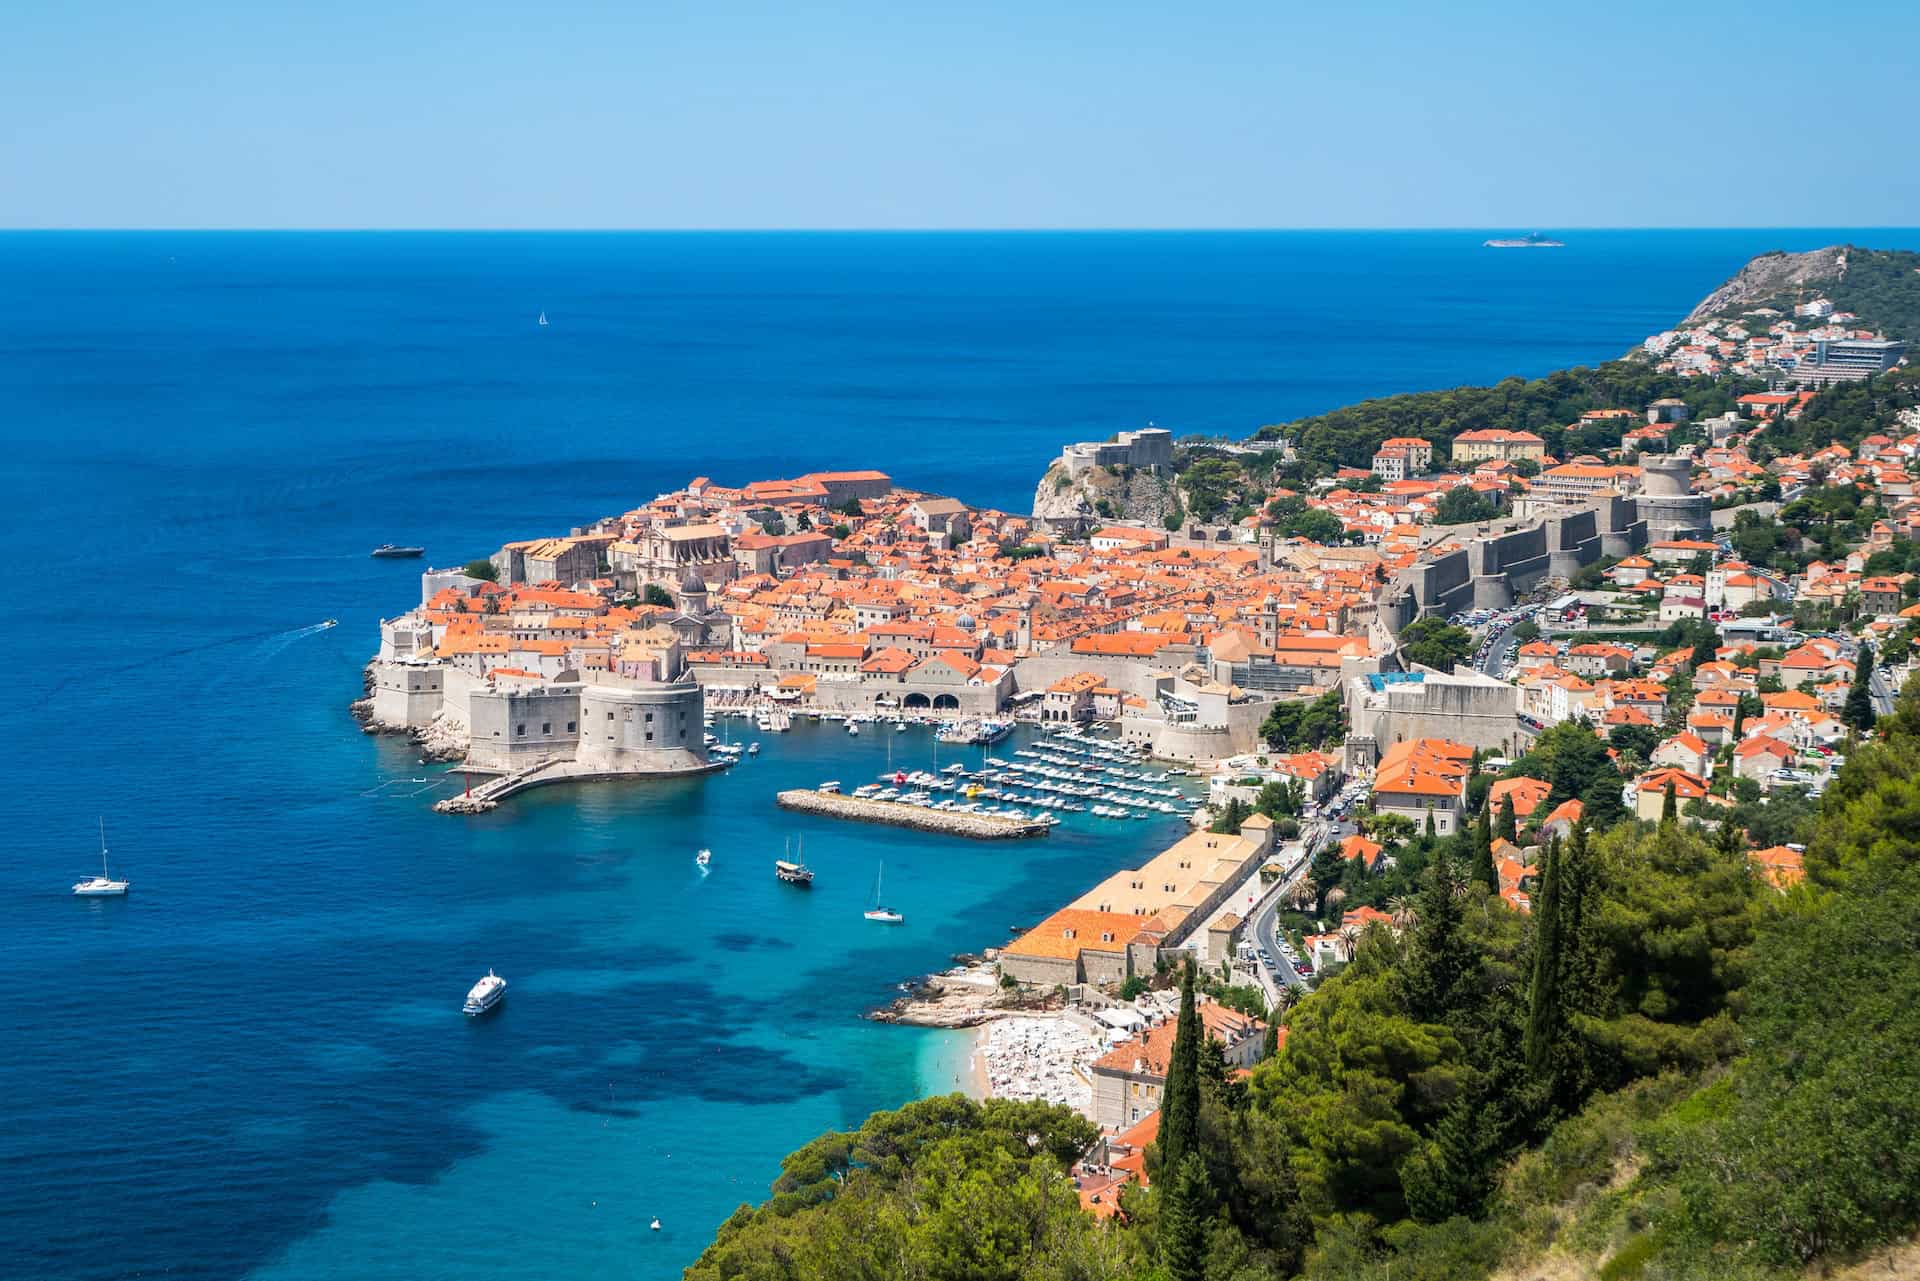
<point x="444" y="741"/>
<point x="966" y="996"/>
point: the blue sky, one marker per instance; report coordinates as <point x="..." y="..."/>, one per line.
<point x="234" y="113"/>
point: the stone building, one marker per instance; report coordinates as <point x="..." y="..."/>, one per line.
<point x="1128" y="1080"/>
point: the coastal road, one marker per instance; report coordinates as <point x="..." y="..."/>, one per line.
<point x="1264" y="915"/>
<point x="1881" y="692"/>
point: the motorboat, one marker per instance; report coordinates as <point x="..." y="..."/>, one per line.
<point x="103" y="885"/>
<point x="753" y="749"/>
<point x="393" y="551"/>
<point x="703" y="859"/>
<point x="485" y="994"/>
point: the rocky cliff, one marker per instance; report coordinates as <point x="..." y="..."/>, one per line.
<point x="1142" y="495"/>
<point x="1769" y="278"/>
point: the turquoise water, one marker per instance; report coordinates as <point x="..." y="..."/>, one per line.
<point x="255" y="1065"/>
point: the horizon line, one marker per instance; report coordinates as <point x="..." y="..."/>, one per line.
<point x="909" y="231"/>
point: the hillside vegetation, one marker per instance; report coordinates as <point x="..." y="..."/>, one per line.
<point x="1545" y="406"/>
<point x="1668" y="1070"/>
<point x="1880" y="286"/>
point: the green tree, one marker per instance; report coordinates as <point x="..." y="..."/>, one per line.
<point x="1435" y="643"/>
<point x="1461" y="506"/>
<point x="1180" y="1099"/>
<point x="1668" y="809"/>
<point x="482" y="569"/>
<point x="1857" y="713"/>
<point x="655" y="594"/>
<point x="1441" y="970"/>
<point x="1182" y="1226"/>
<point x="1509" y="825"/>
<point x="1231" y="816"/>
<point x="1483" y="869"/>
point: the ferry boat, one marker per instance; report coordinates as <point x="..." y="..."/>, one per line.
<point x="1532" y="240"/>
<point x="485" y="994"/>
<point x="103" y="885"/>
<point x="392" y="551"/>
<point x="796" y="874"/>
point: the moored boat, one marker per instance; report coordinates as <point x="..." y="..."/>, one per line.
<point x="798" y="874"/>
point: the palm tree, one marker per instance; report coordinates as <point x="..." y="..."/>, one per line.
<point x="1349" y="939"/>
<point x="1404" y="911"/>
<point x="1336" y="896"/>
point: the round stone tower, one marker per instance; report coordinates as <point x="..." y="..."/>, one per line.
<point x="1667" y="503"/>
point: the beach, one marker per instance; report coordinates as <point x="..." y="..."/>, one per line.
<point x="1043" y="1056"/>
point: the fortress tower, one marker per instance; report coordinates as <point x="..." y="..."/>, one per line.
<point x="1667" y="503"/>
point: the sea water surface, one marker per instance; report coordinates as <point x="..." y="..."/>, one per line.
<point x="255" y="1065"/>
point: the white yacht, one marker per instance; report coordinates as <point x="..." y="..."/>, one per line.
<point x="485" y="994"/>
<point x="101" y="886"/>
<point x="703" y="859"/>
<point x="884" y="915"/>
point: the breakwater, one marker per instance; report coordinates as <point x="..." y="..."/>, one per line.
<point x="980" y="827"/>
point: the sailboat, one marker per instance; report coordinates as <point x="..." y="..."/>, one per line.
<point x="885" y="915"/>
<point x="101" y="886"/>
<point x="542" y="320"/>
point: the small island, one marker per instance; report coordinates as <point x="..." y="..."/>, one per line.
<point x="1532" y="240"/>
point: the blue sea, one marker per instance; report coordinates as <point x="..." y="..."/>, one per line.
<point x="255" y="1066"/>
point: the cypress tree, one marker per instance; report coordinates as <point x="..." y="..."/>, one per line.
<point x="1180" y="1100"/>
<point x="1183" y="1219"/>
<point x="1858" y="712"/>
<point x="1739" y="716"/>
<point x="1430" y="832"/>
<point x="1483" y="869"/>
<point x="1543" y="1000"/>
<point x="1509" y="829"/>
<point x="1669" y="807"/>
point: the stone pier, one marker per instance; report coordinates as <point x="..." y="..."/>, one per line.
<point x="981" y="827"/>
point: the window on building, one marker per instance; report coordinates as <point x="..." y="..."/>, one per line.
<point x="570" y="727"/>
<point x="649" y="736"/>
<point x="546" y="727"/>
<point x="519" y="731"/>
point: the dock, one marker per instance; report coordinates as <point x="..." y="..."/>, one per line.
<point x="980" y="827"/>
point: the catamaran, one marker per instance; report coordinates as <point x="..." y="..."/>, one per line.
<point x="103" y="885"/>
<point x="885" y="915"/>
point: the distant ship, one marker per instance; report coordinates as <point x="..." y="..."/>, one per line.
<point x="879" y="912"/>
<point x="1532" y="240"/>
<point x="391" y="551"/>
<point x="485" y="994"/>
